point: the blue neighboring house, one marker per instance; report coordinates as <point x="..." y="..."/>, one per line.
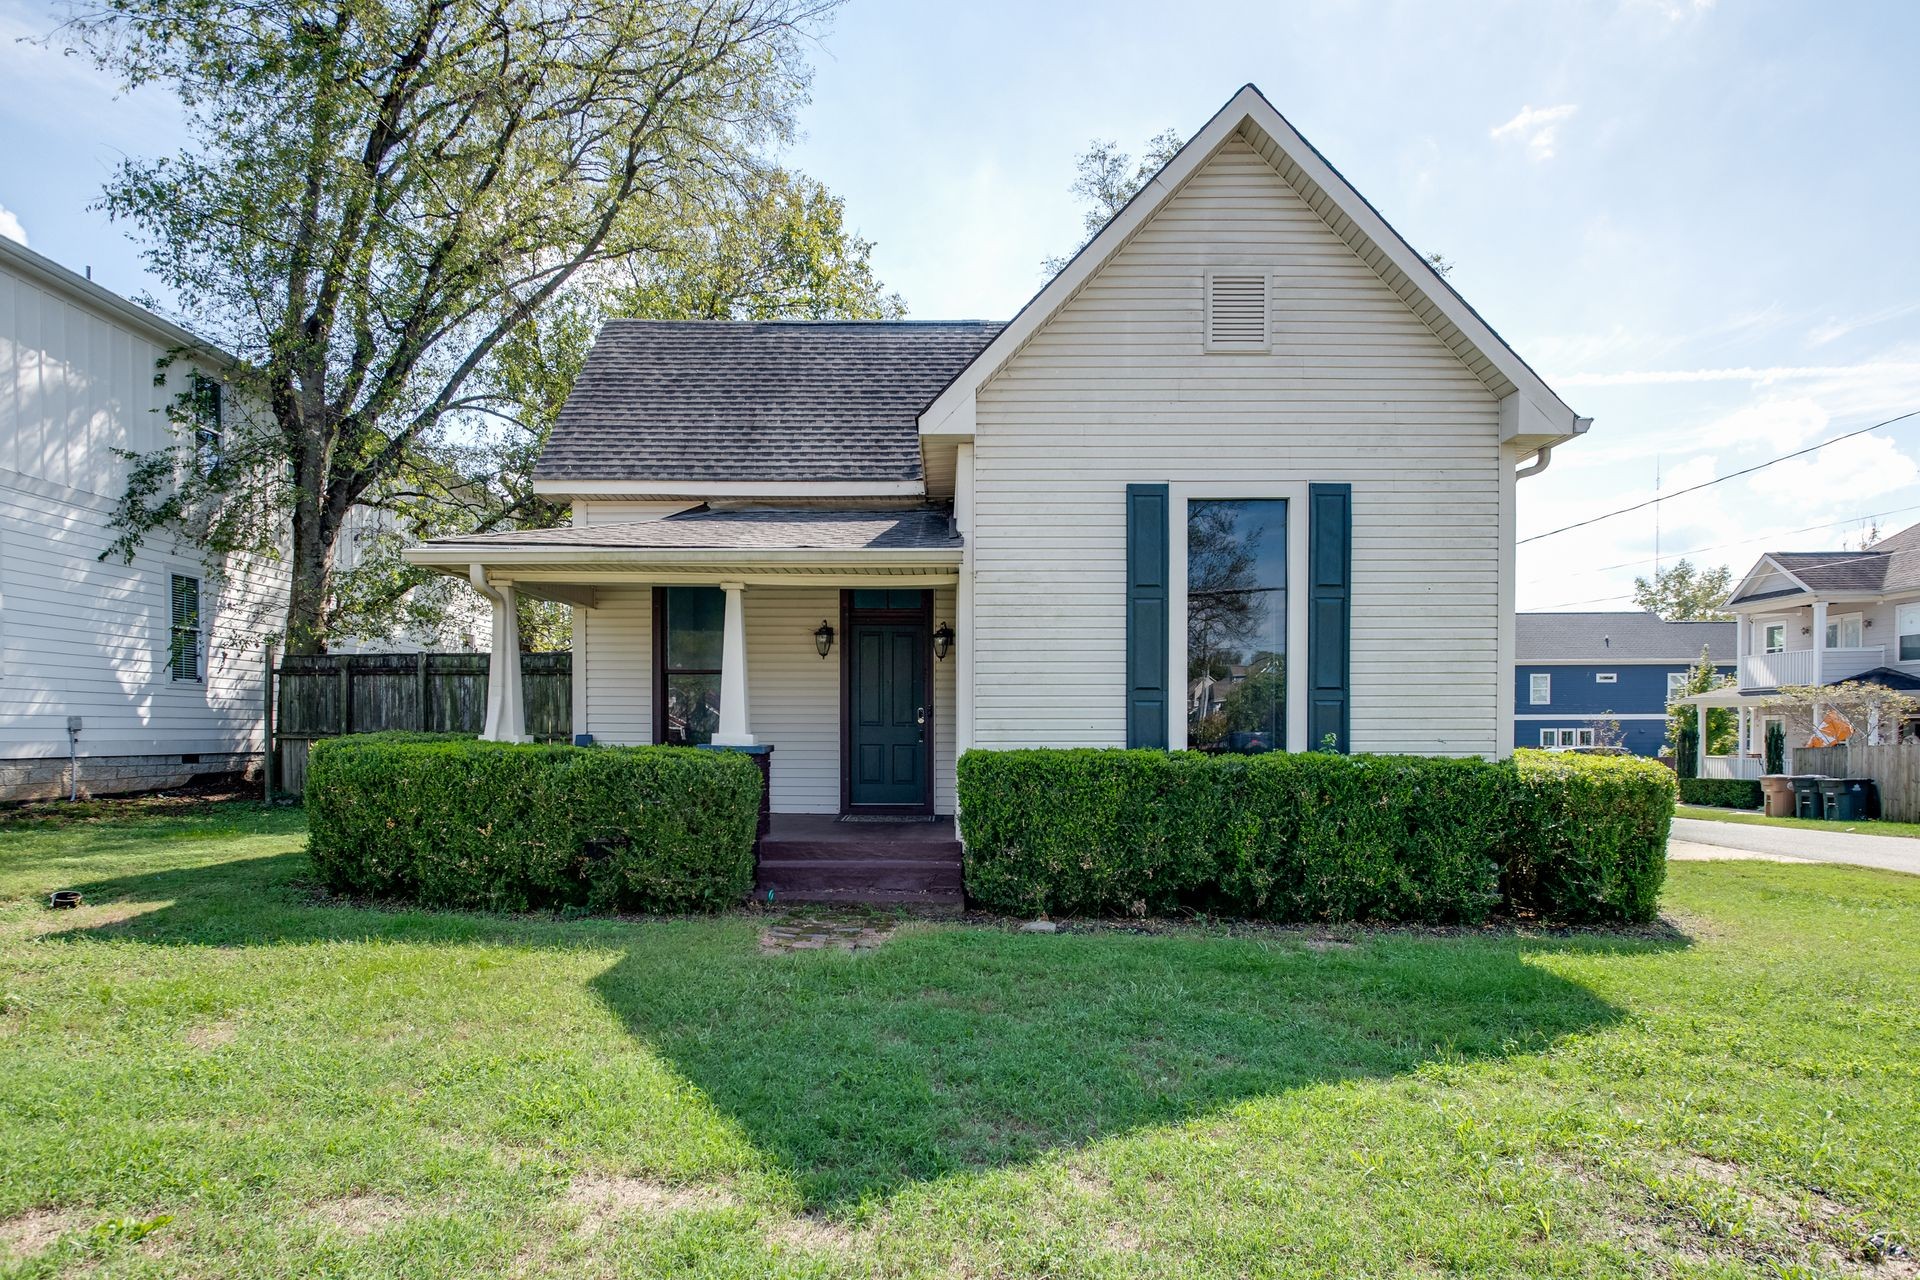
<point x="1573" y="669"/>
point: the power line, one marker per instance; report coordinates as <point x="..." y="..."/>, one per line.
<point x="1868" y="554"/>
<point x="1721" y="546"/>
<point x="1708" y="484"/>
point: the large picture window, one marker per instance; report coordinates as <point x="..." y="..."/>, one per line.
<point x="1237" y="625"/>
<point x="687" y="663"/>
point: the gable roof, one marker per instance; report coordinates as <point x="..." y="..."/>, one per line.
<point x="1634" y="636"/>
<point x="1890" y="565"/>
<point x="1537" y="413"/>
<point x="758" y="401"/>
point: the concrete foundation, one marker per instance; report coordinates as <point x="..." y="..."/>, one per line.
<point x="47" y="778"/>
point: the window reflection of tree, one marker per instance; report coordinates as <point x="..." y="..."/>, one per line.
<point x="1227" y="608"/>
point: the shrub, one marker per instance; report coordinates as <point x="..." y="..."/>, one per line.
<point x="1310" y="836"/>
<point x="1586" y="839"/>
<point x="1726" y="793"/>
<point x="457" y="822"/>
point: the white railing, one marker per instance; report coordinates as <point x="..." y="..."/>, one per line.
<point x="1731" y="767"/>
<point x="1779" y="670"/>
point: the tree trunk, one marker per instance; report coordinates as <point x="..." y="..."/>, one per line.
<point x="314" y="529"/>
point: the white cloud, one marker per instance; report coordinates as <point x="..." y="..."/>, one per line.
<point x="1743" y="373"/>
<point x="1685" y="475"/>
<point x="1537" y="127"/>
<point x="1834" y="327"/>
<point x="1863" y="467"/>
<point x="1676" y="10"/>
<point x="10" y="227"/>
<point x="1782" y="425"/>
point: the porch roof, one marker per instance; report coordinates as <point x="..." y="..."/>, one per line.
<point x="703" y="545"/>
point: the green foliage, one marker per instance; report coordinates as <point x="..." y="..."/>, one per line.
<point x="1724" y="793"/>
<point x="1681" y="593"/>
<point x="1686" y="750"/>
<point x="1313" y="836"/>
<point x="1586" y="836"/>
<point x="451" y="821"/>
<point x="1776" y="747"/>
<point x="1723" y="726"/>
<point x="374" y="195"/>
<point x="1105" y="178"/>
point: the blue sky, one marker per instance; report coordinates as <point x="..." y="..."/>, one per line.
<point x="1697" y="220"/>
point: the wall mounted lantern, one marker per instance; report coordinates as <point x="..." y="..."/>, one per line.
<point x="942" y="641"/>
<point x="823" y="639"/>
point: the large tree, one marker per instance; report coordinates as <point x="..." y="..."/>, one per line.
<point x="777" y="247"/>
<point x="1681" y="593"/>
<point x="1105" y="178"/>
<point x="376" y="195"/>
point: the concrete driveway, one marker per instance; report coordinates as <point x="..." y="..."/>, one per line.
<point x="1694" y="840"/>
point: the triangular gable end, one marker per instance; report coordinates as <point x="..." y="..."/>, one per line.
<point x="1765" y="570"/>
<point x="1531" y="416"/>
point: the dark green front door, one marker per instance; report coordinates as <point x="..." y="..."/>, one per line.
<point x="888" y="714"/>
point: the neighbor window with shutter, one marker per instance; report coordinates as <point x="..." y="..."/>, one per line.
<point x="207" y="411"/>
<point x="184" y="645"/>
<point x="1237" y="311"/>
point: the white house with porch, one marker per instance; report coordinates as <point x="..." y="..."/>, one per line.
<point x="1809" y="618"/>
<point x="1246" y="430"/>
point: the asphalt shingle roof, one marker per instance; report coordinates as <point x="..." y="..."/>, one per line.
<point x="780" y="401"/>
<point x="1619" y="637"/>
<point x="1890" y="565"/>
<point x="921" y="529"/>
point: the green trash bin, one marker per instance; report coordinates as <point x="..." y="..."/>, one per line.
<point x="1848" y="799"/>
<point x="1806" y="796"/>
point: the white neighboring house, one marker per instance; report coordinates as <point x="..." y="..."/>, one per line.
<point x="155" y="665"/>
<point x="1810" y="618"/>
<point x="1247" y="431"/>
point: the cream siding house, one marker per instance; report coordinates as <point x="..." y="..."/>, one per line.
<point x="1240" y="478"/>
<point x="153" y="665"/>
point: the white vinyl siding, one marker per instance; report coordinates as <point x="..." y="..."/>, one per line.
<point x="86" y="636"/>
<point x="793" y="694"/>
<point x="1118" y="388"/>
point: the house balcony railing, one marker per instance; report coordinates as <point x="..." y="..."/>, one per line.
<point x="1796" y="667"/>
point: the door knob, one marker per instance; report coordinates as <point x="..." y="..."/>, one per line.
<point x="920" y="715"/>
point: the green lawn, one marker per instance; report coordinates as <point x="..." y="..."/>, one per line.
<point x="212" y="1071"/>
<point x="1751" y="818"/>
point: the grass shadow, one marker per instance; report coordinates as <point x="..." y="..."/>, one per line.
<point x="954" y="1050"/>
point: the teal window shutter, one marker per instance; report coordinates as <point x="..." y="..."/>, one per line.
<point x="1147" y="615"/>
<point x="1329" y="613"/>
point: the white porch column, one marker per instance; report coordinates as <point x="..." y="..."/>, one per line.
<point x="1700" y="740"/>
<point x="733" y="730"/>
<point x="1819" y="641"/>
<point x="963" y="603"/>
<point x="1740" y="629"/>
<point x="506" y="705"/>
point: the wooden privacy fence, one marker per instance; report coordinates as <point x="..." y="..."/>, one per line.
<point x="326" y="695"/>
<point x="1894" y="768"/>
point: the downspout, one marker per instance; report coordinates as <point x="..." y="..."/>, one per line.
<point x="1541" y="459"/>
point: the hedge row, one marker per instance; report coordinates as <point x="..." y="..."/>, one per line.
<point x="1315" y="836"/>
<point x="451" y="821"/>
<point x="1726" y="793"/>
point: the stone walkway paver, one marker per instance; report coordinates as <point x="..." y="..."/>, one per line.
<point x="819" y="930"/>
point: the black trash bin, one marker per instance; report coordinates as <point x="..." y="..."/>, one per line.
<point x="1830" y="789"/>
<point x="1849" y="799"/>
<point x="1806" y="796"/>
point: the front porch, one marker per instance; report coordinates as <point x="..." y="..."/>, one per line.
<point x="828" y="637"/>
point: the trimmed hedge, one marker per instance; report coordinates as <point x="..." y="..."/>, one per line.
<point x="1314" y="836"/>
<point x="1725" y="793"/>
<point x="451" y="821"/>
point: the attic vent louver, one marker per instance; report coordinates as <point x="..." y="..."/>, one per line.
<point x="1237" y="318"/>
